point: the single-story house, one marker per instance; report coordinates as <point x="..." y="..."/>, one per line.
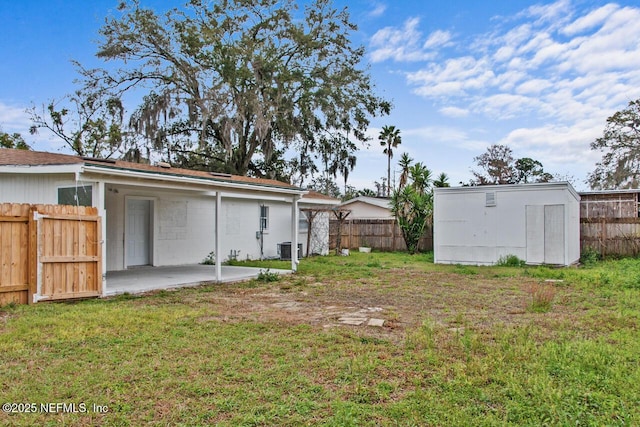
<point x="364" y="207"/>
<point x="538" y="223"/>
<point x="157" y="215"/>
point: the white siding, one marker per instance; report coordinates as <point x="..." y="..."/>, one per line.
<point x="33" y="188"/>
<point x="361" y="210"/>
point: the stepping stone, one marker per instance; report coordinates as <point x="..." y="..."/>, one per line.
<point x="376" y="322"/>
<point x="354" y="321"/>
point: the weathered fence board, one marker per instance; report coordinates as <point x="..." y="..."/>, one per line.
<point x="379" y="234"/>
<point x="611" y="236"/>
<point x="49" y="252"/>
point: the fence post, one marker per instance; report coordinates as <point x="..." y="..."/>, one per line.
<point x="32" y="255"/>
<point x="603" y="236"/>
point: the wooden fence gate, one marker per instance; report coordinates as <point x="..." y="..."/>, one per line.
<point x="49" y="252"/>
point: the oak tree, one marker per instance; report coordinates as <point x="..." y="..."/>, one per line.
<point x="231" y="82"/>
<point x="620" y="145"/>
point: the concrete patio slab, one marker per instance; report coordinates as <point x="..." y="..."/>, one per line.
<point x="147" y="278"/>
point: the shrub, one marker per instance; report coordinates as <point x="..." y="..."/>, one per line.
<point x="209" y="259"/>
<point x="510" y="261"/>
<point x="268" y="276"/>
<point x="589" y="256"/>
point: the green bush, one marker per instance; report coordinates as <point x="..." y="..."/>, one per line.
<point x="589" y="256"/>
<point x="268" y="276"/>
<point x="209" y="259"/>
<point x="510" y="261"/>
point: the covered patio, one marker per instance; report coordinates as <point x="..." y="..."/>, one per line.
<point x="147" y="278"/>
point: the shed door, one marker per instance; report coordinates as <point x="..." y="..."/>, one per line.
<point x="554" y="234"/>
<point x="535" y="234"/>
<point x="138" y="232"/>
<point x="545" y="234"/>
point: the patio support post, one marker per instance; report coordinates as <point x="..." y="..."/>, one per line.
<point x="100" y="203"/>
<point x="294" y="233"/>
<point x="218" y="244"/>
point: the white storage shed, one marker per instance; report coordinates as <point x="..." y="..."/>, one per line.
<point x="538" y="223"/>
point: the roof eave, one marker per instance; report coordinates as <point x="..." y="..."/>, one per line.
<point x="184" y="179"/>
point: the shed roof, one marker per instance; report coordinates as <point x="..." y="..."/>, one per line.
<point x="511" y="187"/>
<point x="375" y="201"/>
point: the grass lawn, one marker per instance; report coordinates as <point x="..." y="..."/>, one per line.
<point x="460" y="345"/>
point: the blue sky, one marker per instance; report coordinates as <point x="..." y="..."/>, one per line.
<point x="539" y="76"/>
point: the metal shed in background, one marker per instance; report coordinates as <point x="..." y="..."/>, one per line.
<point x="538" y="223"/>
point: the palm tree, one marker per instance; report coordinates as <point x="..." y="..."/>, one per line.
<point x="421" y="177"/>
<point x="441" y="181"/>
<point x="390" y="139"/>
<point x="404" y="163"/>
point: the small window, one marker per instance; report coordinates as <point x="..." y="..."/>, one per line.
<point x="303" y="223"/>
<point x="264" y="218"/>
<point x="76" y="196"/>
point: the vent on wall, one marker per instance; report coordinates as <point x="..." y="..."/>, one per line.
<point x="490" y="199"/>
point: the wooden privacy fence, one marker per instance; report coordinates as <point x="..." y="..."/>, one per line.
<point x="49" y="252"/>
<point x="611" y="236"/>
<point x="380" y="234"/>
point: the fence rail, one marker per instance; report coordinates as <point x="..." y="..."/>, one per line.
<point x="379" y="234"/>
<point x="49" y="252"/>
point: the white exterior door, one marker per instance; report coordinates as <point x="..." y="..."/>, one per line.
<point x="535" y="234"/>
<point x="545" y="234"/>
<point x="554" y="234"/>
<point x="138" y="232"/>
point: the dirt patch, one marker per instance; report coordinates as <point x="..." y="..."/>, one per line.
<point x="390" y="302"/>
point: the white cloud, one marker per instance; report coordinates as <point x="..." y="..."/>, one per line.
<point x="454" y="112"/>
<point x="559" y="69"/>
<point x="437" y="39"/>
<point x="13" y="118"/>
<point x="404" y="44"/>
<point x="377" y="9"/>
<point x="589" y="21"/>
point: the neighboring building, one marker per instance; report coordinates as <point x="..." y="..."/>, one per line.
<point x="538" y="223"/>
<point x="363" y="207"/>
<point x="159" y="215"/>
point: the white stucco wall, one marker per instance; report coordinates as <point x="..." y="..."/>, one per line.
<point x="466" y="231"/>
<point x="241" y="221"/>
<point x="182" y="225"/>
<point x="183" y="221"/>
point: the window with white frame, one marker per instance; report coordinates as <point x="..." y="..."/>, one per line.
<point x="264" y="218"/>
<point x="80" y="195"/>
<point x="303" y="222"/>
